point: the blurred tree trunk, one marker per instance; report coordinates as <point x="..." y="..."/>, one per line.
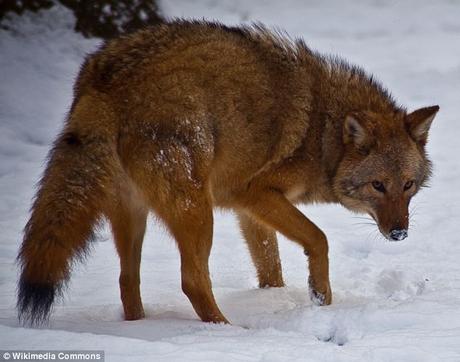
<point x="100" y="18"/>
<point x="109" y="18"/>
<point x="19" y="6"/>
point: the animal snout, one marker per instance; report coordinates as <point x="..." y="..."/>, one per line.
<point x="398" y="234"/>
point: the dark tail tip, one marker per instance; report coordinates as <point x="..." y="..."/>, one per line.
<point x="35" y="301"/>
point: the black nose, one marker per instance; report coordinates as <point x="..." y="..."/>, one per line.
<point x="398" y="234"/>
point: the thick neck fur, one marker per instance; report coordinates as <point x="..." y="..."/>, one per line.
<point x="348" y="88"/>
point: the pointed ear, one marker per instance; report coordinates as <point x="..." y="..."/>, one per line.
<point x="418" y="123"/>
<point x="354" y="130"/>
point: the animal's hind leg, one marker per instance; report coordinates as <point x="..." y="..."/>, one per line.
<point x="192" y="227"/>
<point x="263" y="248"/>
<point x="128" y="220"/>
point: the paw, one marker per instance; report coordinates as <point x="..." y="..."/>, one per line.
<point x="320" y="296"/>
<point x="217" y="318"/>
<point x="275" y="282"/>
<point x="134" y="314"/>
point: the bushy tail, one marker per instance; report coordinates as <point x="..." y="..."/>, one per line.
<point x="69" y="202"/>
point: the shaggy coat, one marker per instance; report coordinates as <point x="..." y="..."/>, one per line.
<point x="186" y="116"/>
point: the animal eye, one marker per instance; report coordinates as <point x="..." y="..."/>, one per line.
<point x="378" y="186"/>
<point x="408" y="185"/>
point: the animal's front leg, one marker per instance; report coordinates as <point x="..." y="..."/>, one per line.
<point x="273" y="209"/>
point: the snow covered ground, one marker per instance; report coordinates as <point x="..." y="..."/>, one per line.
<point x="392" y="301"/>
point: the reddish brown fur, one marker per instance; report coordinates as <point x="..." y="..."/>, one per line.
<point x="187" y="116"/>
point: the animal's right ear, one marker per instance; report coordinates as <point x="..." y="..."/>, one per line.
<point x="355" y="131"/>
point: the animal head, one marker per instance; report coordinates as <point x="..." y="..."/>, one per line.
<point x="384" y="166"/>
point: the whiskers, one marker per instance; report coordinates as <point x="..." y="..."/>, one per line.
<point x="367" y="222"/>
<point x="414" y="211"/>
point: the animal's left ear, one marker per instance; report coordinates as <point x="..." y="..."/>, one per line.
<point x="418" y="123"/>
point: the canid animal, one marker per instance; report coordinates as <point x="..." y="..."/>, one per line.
<point x="189" y="115"/>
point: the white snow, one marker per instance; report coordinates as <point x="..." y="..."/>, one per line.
<point x="392" y="301"/>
